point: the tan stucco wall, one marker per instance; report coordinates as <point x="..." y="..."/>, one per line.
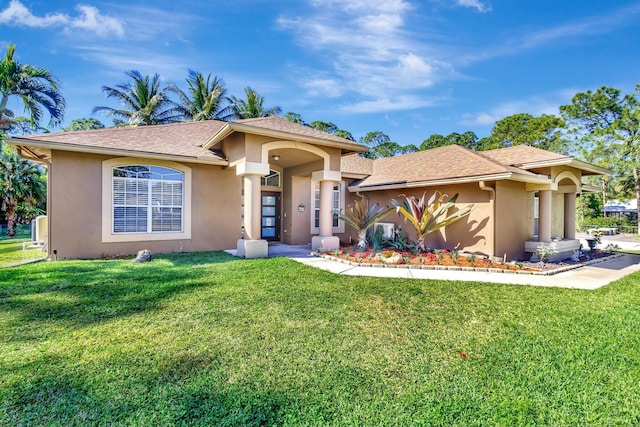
<point x="514" y="218"/>
<point x="471" y="234"/>
<point x="76" y="208"/>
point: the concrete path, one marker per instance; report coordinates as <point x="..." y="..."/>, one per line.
<point x="589" y="277"/>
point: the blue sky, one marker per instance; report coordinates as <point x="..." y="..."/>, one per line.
<point x="407" y="68"/>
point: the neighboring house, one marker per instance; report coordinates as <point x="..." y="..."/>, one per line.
<point x="619" y="209"/>
<point x="215" y="185"/>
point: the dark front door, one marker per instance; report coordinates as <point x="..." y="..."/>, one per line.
<point x="270" y="215"/>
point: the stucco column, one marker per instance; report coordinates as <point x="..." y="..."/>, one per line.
<point x="326" y="205"/>
<point x="252" y="207"/>
<point x="326" y="240"/>
<point x="252" y="246"/>
<point x="544" y="216"/>
<point x="570" y="215"/>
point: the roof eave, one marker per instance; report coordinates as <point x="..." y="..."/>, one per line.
<point x="431" y="183"/>
<point x="568" y="161"/>
<point x="231" y="127"/>
<point x="111" y="151"/>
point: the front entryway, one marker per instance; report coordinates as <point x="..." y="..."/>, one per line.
<point x="270" y="215"/>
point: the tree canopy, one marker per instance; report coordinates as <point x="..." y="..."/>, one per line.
<point x="606" y="127"/>
<point x="143" y="101"/>
<point x="252" y="106"/>
<point x="205" y="99"/>
<point x="84" y="124"/>
<point x="543" y="132"/>
<point x="35" y="87"/>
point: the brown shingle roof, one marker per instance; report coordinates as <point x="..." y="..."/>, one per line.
<point x="356" y="165"/>
<point x="450" y="162"/>
<point x="522" y="154"/>
<point x="179" y="139"/>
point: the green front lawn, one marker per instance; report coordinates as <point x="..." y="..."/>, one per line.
<point x="207" y="339"/>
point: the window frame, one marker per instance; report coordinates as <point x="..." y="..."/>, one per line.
<point x="108" y="235"/>
<point x="340" y="228"/>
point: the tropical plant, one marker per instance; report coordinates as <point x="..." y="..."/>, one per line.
<point x="36" y="87"/>
<point x="143" y="101"/>
<point x="204" y="100"/>
<point x="429" y="215"/>
<point x="22" y="187"/>
<point x="252" y="106"/>
<point x="376" y="238"/>
<point x="361" y="217"/>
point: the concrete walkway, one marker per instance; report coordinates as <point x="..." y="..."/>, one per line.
<point x="588" y="277"/>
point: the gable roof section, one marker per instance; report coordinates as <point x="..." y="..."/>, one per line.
<point x="441" y="165"/>
<point x="526" y="157"/>
<point x="454" y="164"/>
<point x="278" y="127"/>
<point x="356" y="166"/>
<point x="179" y="140"/>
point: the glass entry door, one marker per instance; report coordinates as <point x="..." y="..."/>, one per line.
<point x="270" y="215"/>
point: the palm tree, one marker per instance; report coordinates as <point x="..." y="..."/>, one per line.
<point x="22" y="187"/>
<point x="204" y="100"/>
<point x="38" y="89"/>
<point x="143" y="101"/>
<point x="252" y="106"/>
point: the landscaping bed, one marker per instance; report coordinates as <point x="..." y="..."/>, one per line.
<point x="452" y="260"/>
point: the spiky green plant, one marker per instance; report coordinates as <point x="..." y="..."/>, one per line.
<point x="429" y="215"/>
<point x="361" y="217"/>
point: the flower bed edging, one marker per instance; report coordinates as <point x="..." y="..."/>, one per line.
<point x="560" y="269"/>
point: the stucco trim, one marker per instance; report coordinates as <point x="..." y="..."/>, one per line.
<point x="568" y="161"/>
<point x="61" y="146"/>
<point x="276" y="145"/>
<point x="107" y="199"/>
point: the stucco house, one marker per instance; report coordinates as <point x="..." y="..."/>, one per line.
<point x="214" y="185"/>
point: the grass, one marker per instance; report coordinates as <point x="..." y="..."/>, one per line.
<point x="207" y="339"/>
<point x="11" y="248"/>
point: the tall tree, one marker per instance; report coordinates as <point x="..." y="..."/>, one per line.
<point x="607" y="125"/>
<point x="252" y="106"/>
<point x="543" y="132"/>
<point x="327" y="127"/>
<point x="205" y="99"/>
<point x="83" y="124"/>
<point x="380" y="146"/>
<point x="294" y="118"/>
<point x="22" y="187"/>
<point x="143" y="101"/>
<point x="467" y="140"/>
<point x="36" y="87"/>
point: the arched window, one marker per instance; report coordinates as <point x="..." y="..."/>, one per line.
<point x="147" y="199"/>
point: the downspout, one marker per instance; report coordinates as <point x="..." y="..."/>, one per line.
<point x="49" y="203"/>
<point x="492" y="203"/>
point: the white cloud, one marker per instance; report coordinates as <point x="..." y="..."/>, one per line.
<point x="89" y="19"/>
<point x="404" y="102"/>
<point x="474" y="4"/>
<point x="536" y="106"/>
<point x="579" y="28"/>
<point x="368" y="51"/>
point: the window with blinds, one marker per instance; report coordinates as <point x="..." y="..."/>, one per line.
<point x="147" y="199"/>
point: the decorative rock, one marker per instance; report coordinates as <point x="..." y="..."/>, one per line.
<point x="143" y="256"/>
